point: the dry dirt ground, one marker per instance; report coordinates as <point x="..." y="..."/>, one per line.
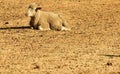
<point x="91" y="47"/>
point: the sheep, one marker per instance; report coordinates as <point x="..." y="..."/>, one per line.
<point x="42" y="20"/>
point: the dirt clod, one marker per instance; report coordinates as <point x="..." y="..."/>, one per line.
<point x="109" y="64"/>
<point x="6" y="22"/>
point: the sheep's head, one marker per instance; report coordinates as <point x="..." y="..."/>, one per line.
<point x="32" y="9"/>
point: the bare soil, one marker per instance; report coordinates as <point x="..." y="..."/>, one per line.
<point x="91" y="47"/>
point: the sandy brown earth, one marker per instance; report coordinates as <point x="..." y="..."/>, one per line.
<point x="91" y="47"/>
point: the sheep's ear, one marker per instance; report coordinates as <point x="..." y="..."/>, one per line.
<point x="38" y="8"/>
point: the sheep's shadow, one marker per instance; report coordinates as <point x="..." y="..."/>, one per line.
<point x="20" y="27"/>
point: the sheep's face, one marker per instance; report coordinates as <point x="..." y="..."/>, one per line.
<point x="32" y="9"/>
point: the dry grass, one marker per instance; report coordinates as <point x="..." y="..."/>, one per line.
<point x="91" y="47"/>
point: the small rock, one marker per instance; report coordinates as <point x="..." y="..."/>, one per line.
<point x="35" y="66"/>
<point x="6" y="22"/>
<point x="109" y="64"/>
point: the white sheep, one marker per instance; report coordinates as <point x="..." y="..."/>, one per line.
<point x="46" y="20"/>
